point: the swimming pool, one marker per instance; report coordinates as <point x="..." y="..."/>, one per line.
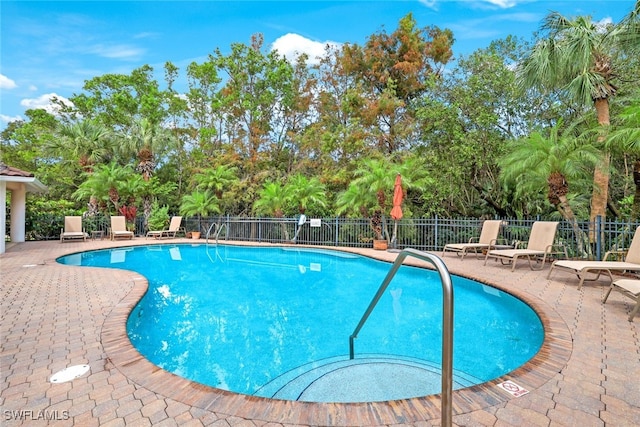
<point x="256" y="320"/>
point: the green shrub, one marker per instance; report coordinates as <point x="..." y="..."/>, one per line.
<point x="159" y="217"/>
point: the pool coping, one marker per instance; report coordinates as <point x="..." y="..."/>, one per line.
<point x="543" y="367"/>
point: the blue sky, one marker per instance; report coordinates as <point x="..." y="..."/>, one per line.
<point x="50" y="48"/>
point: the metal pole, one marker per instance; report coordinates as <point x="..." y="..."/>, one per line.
<point x="447" y="323"/>
<point x="599" y="237"/>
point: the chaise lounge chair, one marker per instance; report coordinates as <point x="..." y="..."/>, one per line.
<point x="630" y="288"/>
<point x="582" y="267"/>
<point x="72" y="229"/>
<point x="119" y="228"/>
<point x="174" y="226"/>
<point x="488" y="239"/>
<point x="540" y="244"/>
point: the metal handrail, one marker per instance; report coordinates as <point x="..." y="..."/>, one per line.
<point x="213" y="224"/>
<point x="224" y="225"/>
<point x="217" y="233"/>
<point x="447" y="322"/>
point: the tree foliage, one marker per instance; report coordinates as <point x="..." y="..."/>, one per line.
<point x="253" y="132"/>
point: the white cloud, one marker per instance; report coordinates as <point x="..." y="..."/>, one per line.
<point x="602" y="24"/>
<point x="431" y="4"/>
<point x="485" y="4"/>
<point x="7" y="119"/>
<point x="505" y="4"/>
<point x="117" y="51"/>
<point x="7" y="83"/>
<point x="33" y="88"/>
<point x="44" y="102"/>
<point x="292" y="45"/>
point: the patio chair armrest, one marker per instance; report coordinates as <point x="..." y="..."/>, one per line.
<point x="558" y="249"/>
<point x="617" y="253"/>
<point x="474" y="240"/>
<point x="517" y="244"/>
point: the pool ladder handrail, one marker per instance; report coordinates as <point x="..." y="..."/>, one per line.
<point x="218" y="231"/>
<point x="447" y="320"/>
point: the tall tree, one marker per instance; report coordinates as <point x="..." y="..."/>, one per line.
<point x="396" y="69"/>
<point x="256" y="85"/>
<point x="626" y="138"/>
<point x="203" y="99"/>
<point x="337" y="136"/>
<point x="465" y="123"/>
<point x="579" y="57"/>
<point x="149" y="142"/>
<point x="88" y="143"/>
<point x="117" y="100"/>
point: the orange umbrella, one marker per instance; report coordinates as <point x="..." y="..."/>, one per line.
<point x="396" y="212"/>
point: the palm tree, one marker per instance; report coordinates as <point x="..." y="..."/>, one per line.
<point x="577" y="56"/>
<point x="148" y="142"/>
<point x="105" y="183"/>
<point x="368" y="192"/>
<point x="627" y="139"/>
<point x="273" y="198"/>
<point x="87" y="142"/>
<point x="538" y="163"/>
<point x="306" y="191"/>
<point x="218" y="179"/>
<point x="373" y="185"/>
<point x="199" y="203"/>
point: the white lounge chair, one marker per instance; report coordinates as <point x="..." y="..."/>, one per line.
<point x="630" y="288"/>
<point x="174" y="226"/>
<point x="488" y="239"/>
<point x="119" y="228"/>
<point x="582" y="268"/>
<point x="72" y="229"/>
<point x="540" y="245"/>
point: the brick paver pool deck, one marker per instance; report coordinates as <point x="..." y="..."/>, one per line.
<point x="54" y="316"/>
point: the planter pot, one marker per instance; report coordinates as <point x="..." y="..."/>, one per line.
<point x="380" y="245"/>
<point x="195" y="235"/>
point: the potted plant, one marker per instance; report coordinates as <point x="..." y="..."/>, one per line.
<point x="379" y="242"/>
<point x="366" y="196"/>
<point x="200" y="204"/>
<point x="372" y="188"/>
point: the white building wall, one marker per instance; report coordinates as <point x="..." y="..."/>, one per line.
<point x="18" y="213"/>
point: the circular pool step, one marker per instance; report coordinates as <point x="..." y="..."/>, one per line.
<point x="366" y="379"/>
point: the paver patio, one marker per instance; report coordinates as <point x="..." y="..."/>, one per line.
<point x="54" y="316"/>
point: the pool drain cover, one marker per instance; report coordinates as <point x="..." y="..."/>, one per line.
<point x="68" y="374"/>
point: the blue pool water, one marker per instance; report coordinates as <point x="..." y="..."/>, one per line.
<point x="251" y="319"/>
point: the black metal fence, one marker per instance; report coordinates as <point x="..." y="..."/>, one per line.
<point x="427" y="234"/>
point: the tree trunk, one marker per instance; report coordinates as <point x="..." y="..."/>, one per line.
<point x="147" y="204"/>
<point x="635" y="209"/>
<point x="584" y="249"/>
<point x="601" y="172"/>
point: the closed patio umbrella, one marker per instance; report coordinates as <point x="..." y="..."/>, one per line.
<point x="396" y="211"/>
